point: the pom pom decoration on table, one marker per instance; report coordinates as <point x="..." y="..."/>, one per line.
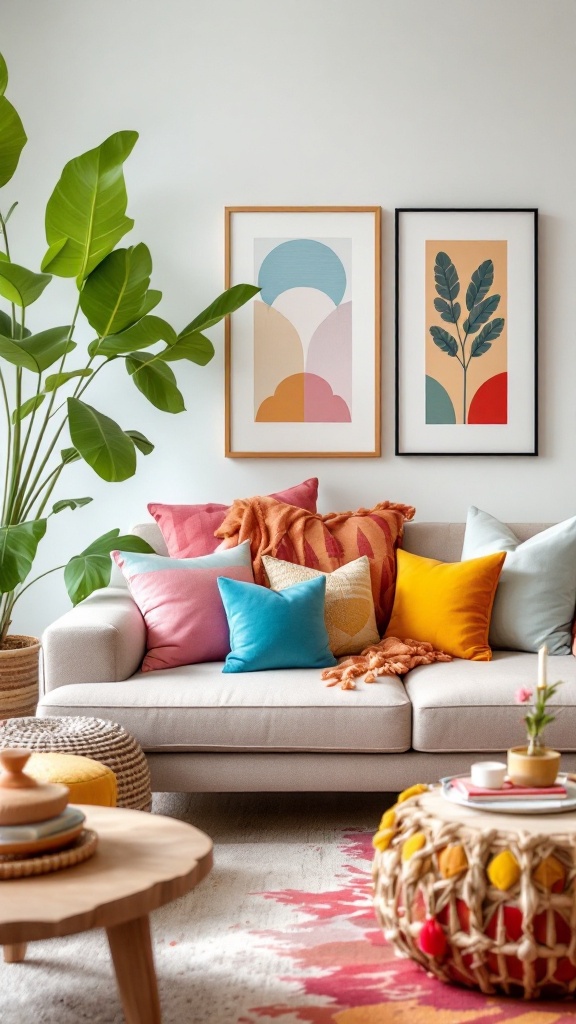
<point x="38" y="831"/>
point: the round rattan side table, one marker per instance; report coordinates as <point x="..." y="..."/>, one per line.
<point x="485" y="900"/>
<point x="97" y="738"/>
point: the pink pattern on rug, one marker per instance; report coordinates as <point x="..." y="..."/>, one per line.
<point x="346" y="973"/>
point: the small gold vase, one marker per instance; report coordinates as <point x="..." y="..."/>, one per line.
<point x="533" y="769"/>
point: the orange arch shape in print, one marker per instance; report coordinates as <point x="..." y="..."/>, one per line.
<point x="303" y="398"/>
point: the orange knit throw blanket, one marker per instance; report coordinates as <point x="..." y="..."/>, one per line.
<point x="390" y="657"/>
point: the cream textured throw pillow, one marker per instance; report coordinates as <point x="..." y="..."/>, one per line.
<point x="349" y="610"/>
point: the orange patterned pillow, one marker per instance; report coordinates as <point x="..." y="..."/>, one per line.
<point x="322" y="542"/>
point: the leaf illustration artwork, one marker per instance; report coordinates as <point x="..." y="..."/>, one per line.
<point x="466" y="372"/>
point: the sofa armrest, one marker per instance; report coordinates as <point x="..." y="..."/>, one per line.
<point x="102" y="639"/>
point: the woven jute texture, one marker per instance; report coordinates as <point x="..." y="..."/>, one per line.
<point x="19" y="676"/>
<point x="98" y="738"/>
<point x="520" y="940"/>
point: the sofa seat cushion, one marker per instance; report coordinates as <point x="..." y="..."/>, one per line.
<point x="198" y="708"/>
<point x="470" y="705"/>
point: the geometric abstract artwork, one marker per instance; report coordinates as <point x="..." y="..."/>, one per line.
<point x="303" y="358"/>
<point x="466" y="332"/>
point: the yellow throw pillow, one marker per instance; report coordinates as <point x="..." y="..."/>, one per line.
<point x="449" y="604"/>
<point x="349" y="609"/>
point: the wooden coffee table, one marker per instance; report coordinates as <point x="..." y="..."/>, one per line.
<point x="142" y="862"/>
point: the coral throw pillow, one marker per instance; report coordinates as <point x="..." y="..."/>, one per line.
<point x="448" y="604"/>
<point x="322" y="542"/>
<point x="181" y="604"/>
<point x="276" y="630"/>
<point x="189" y="529"/>
<point x="349" y="609"/>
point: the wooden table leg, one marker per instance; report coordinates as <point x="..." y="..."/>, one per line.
<point x="131" y="951"/>
<point x="15" y="953"/>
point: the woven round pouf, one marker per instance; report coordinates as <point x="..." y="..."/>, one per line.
<point x="97" y="738"/>
<point x="481" y="899"/>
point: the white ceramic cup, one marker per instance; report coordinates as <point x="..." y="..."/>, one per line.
<point x="488" y="774"/>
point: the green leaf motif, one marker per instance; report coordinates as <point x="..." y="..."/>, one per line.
<point x="19" y="285"/>
<point x="141" y="441"/>
<point x="449" y="313"/>
<point x="446" y="277"/>
<point x="69" y="455"/>
<point x="488" y="334"/>
<point x="86" y="213"/>
<point x="27" y="407"/>
<point x="114" y="293"/>
<point x="18" y="546"/>
<point x="480" y="314"/>
<point x="56" y="380"/>
<point x="48" y="347"/>
<point x="226" y="303"/>
<point x="71" y="503"/>
<point x="90" y="570"/>
<point x="12" y="134"/>
<point x="445" y="341"/>
<point x="101" y="442"/>
<point x="146" y="332"/>
<point x="480" y="285"/>
<point x="156" y="381"/>
<point x="12" y="352"/>
<point x="195" y="347"/>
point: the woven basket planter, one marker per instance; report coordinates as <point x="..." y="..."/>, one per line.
<point x="19" y="659"/>
<point x="97" y="738"/>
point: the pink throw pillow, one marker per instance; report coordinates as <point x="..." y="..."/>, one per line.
<point x="181" y="604"/>
<point x="189" y="529"/>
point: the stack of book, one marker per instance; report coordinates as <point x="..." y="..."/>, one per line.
<point x="509" y="791"/>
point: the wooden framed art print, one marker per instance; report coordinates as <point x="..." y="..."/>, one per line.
<point x="466" y="332"/>
<point x="303" y="359"/>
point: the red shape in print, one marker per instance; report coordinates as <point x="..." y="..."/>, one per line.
<point x="490" y="403"/>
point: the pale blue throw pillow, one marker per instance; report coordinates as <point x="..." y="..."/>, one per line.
<point x="276" y="629"/>
<point x="536" y="594"/>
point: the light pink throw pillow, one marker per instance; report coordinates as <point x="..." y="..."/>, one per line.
<point x="181" y="604"/>
<point x="189" y="529"/>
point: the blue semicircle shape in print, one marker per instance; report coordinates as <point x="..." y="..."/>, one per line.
<point x="302" y="263"/>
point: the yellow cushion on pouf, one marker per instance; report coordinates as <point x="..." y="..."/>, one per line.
<point x="449" y="604"/>
<point x="89" y="781"/>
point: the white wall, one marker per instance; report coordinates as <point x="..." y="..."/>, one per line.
<point x="391" y="102"/>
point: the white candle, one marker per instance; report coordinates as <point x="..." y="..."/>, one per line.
<point x="542" y="656"/>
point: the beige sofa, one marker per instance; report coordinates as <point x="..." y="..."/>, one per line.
<point x="285" y="730"/>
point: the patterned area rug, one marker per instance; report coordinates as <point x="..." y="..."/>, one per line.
<point x="281" y="932"/>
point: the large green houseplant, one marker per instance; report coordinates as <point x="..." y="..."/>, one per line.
<point x="44" y="376"/>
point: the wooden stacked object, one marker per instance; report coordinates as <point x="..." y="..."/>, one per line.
<point x="34" y="820"/>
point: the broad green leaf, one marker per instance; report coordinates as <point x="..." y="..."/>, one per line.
<point x="446" y="277"/>
<point x="27" y="407"/>
<point x="91" y="569"/>
<point x="156" y="381"/>
<point x="114" y="293"/>
<point x="480" y="314"/>
<point x="13" y="353"/>
<point x="69" y="455"/>
<point x="151" y="300"/>
<point x="12" y="139"/>
<point x="142" y="443"/>
<point x="88" y="209"/>
<point x="48" y="347"/>
<point x="18" y="546"/>
<point x="146" y="332"/>
<point x="101" y="442"/>
<point x="19" y="285"/>
<point x="195" y="347"/>
<point x="56" y="380"/>
<point x="489" y="333"/>
<point x="445" y="341"/>
<point x="448" y="312"/>
<point x="226" y="303"/>
<point x="5" y="324"/>
<point x="71" y="503"/>
<point x="3" y="75"/>
<point x="480" y="284"/>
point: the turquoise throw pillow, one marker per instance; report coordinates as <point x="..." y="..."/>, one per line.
<point x="536" y="594"/>
<point x="276" y="629"/>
